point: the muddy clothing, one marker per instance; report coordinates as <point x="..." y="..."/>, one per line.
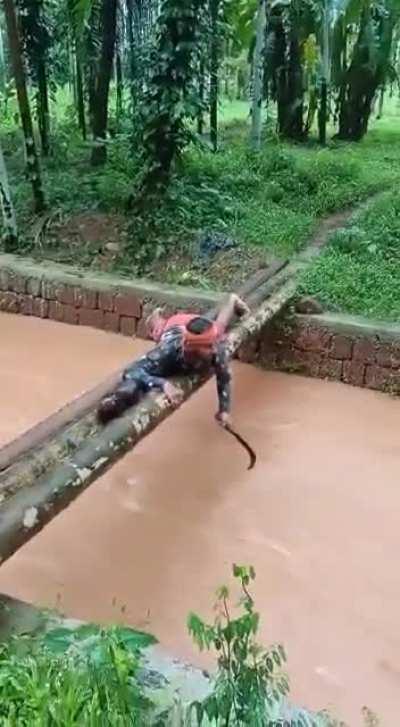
<point x="172" y="357"/>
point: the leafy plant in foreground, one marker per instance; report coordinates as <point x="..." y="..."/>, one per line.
<point x="83" y="676"/>
<point x="249" y="683"/>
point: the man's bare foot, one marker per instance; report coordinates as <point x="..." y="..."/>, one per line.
<point x="173" y="394"/>
<point x="241" y="308"/>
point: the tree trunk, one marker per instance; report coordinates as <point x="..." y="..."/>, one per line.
<point x="2" y="63"/>
<point x="323" y="112"/>
<point x="288" y="75"/>
<point x="364" y="77"/>
<point x="380" y="102"/>
<point x="258" y="74"/>
<point x="200" y="118"/>
<point x="325" y="81"/>
<point x="100" y="110"/>
<point x="131" y="52"/>
<point x="214" y="8"/>
<point x="80" y="97"/>
<point x="32" y="161"/>
<point x="132" y="56"/>
<point x="10" y="234"/>
<point x="43" y="108"/>
<point x="119" y="87"/>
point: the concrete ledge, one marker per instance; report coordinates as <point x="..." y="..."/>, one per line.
<point x="331" y="346"/>
<point x="99" y="300"/>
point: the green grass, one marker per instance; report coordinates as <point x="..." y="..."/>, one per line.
<point x="271" y="200"/>
<point x="359" y="272"/>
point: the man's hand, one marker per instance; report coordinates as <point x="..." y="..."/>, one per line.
<point x="173" y="394"/>
<point x="241" y="308"/>
<point x="223" y="419"/>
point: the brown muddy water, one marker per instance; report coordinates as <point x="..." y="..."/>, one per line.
<point x="318" y="518"/>
<point x="44" y="364"/>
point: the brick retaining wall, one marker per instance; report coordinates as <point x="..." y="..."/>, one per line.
<point x="98" y="300"/>
<point x="342" y="348"/>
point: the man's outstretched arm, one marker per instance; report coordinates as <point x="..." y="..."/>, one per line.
<point x="223" y="376"/>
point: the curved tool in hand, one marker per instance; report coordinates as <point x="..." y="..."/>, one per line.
<point x="249" y="450"/>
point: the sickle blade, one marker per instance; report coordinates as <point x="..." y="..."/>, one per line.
<point x="245" y="445"/>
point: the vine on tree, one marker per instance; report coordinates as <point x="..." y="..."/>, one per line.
<point x="171" y="98"/>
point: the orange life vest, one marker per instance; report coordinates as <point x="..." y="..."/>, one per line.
<point x="194" y="343"/>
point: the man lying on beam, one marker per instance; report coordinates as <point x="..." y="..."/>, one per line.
<point x="187" y="344"/>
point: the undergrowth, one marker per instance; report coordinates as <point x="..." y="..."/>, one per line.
<point x="268" y="201"/>
<point x="83" y="676"/>
<point x="359" y="273"/>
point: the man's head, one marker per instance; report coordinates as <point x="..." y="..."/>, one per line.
<point x="155" y="324"/>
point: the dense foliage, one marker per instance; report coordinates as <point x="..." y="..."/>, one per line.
<point x="119" y="107"/>
<point x="82" y="676"/>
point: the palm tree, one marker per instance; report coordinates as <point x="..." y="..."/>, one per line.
<point x="214" y="72"/>
<point x="103" y="77"/>
<point x="32" y="161"/>
<point x="363" y="62"/>
<point x="36" y="41"/>
<point x="258" y="72"/>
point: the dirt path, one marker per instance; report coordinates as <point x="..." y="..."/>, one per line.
<point x="318" y="518"/>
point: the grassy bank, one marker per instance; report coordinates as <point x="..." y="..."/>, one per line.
<point x="359" y="272"/>
<point x="267" y="203"/>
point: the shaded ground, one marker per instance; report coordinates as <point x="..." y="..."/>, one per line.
<point x="44" y="364"/>
<point x="317" y="518"/>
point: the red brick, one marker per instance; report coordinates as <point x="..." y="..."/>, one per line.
<point x="34" y="287"/>
<point x="128" y="326"/>
<point x="331" y="369"/>
<point x="16" y="282"/>
<point x="48" y="290"/>
<point x="26" y="305"/>
<point x="92" y="318"/>
<point x="376" y="377"/>
<point x="354" y="373"/>
<point x="56" y="311"/>
<point x="3" y="279"/>
<point x="71" y="314"/>
<point x="341" y="347"/>
<point x="111" y="322"/>
<point x="365" y="350"/>
<point x="40" y="307"/>
<point x="249" y="351"/>
<point x="128" y="304"/>
<point x="141" y="329"/>
<point x="388" y="356"/>
<point x="65" y="294"/>
<point x="269" y="360"/>
<point x="314" y="339"/>
<point x="9" y="302"/>
<point x="305" y="362"/>
<point x="106" y="301"/>
<point x="85" y="298"/>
